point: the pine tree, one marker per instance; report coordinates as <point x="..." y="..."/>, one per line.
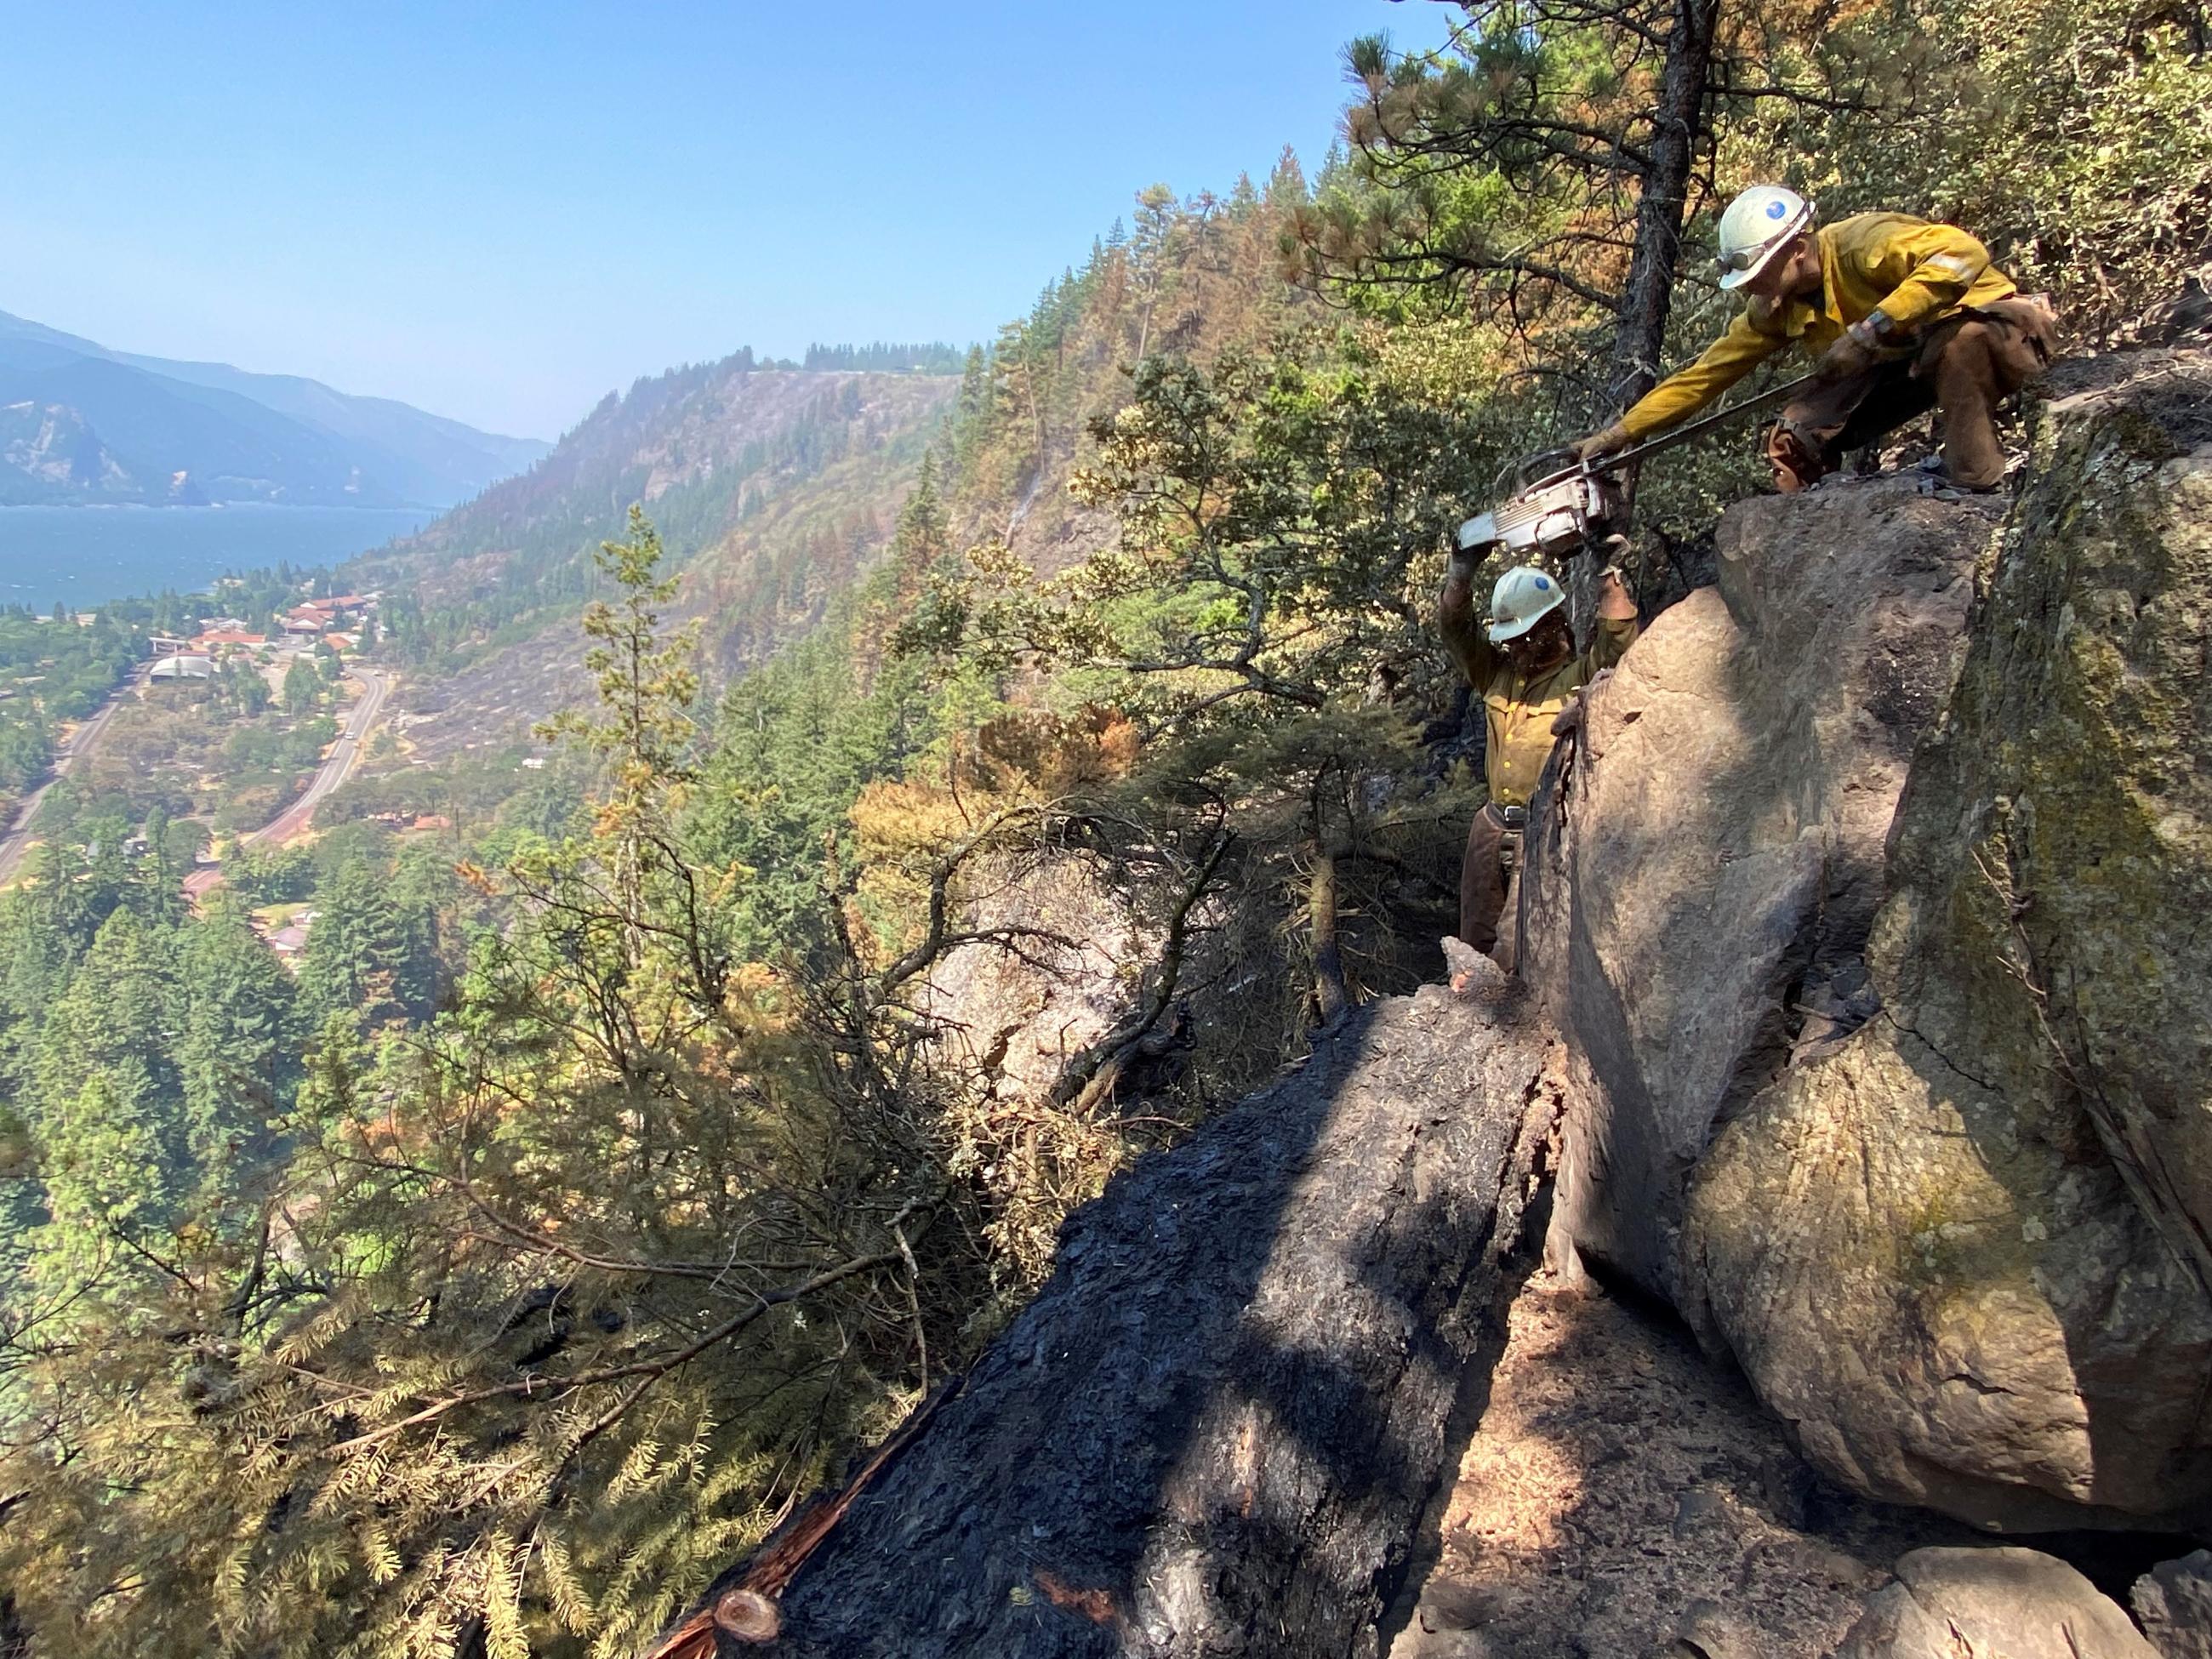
<point x="104" y="1102"/>
<point x="164" y="870"/>
<point x="1546" y="164"/>
<point x="104" y="1166"/>
<point x="356" y="953"/>
<point x="1148" y="250"/>
<point x="239" y="1047"/>
<point x="644" y="730"/>
<point x="923" y="537"/>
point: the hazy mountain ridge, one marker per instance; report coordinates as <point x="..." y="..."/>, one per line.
<point x="233" y="435"/>
<point x="50" y="455"/>
<point x="774" y="489"/>
<point x="702" y="446"/>
<point x="771" y="490"/>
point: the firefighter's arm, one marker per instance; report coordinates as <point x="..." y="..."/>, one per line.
<point x="1475" y="657"/>
<point x="1683" y="394"/>
<point x="1935" y="265"/>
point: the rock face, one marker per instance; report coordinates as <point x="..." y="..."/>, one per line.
<point x="2173" y="1601"/>
<point x="1991" y="1604"/>
<point x="2076" y="770"/>
<point x="1218" y="1421"/>
<point x="1924" y="1141"/>
<point x="1710" y="860"/>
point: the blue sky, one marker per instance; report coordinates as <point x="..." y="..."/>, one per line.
<point x="500" y="211"/>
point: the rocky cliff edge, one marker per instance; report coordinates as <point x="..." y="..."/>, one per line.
<point x="1873" y="909"/>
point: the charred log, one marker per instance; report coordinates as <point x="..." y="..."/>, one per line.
<point x="1217" y="1426"/>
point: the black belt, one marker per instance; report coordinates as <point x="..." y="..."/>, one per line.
<point x="1507" y="818"/>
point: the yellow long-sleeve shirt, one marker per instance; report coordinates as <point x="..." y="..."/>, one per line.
<point x="1913" y="271"/>
<point x="1518" y="711"/>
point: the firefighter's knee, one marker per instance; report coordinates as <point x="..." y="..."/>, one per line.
<point x="1972" y="337"/>
<point x="1968" y="357"/>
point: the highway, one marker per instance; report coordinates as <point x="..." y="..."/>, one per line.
<point x="81" y="744"/>
<point x="338" y="765"/>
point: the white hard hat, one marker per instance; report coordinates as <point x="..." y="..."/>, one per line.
<point x="1757" y="225"/>
<point x="1524" y="596"/>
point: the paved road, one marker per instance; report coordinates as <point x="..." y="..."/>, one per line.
<point x="338" y="765"/>
<point x="81" y="744"/>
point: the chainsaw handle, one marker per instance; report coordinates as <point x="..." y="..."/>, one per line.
<point x="1548" y="466"/>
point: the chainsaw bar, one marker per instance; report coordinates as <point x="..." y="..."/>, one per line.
<point x="1566" y="508"/>
<point x="1682" y="434"/>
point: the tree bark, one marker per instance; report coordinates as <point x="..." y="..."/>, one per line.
<point x="1216" y="1428"/>
<point x="1330" y="996"/>
<point x="1663" y="201"/>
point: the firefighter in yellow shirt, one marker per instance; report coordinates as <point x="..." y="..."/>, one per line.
<point x="1902" y="315"/>
<point x="1525" y="669"/>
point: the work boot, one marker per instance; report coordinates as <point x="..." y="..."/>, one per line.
<point x="1967" y="388"/>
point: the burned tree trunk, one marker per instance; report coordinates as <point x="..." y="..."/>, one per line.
<point x="1216" y="1428"/>
<point x="1330" y="996"/>
<point x="1662" y="200"/>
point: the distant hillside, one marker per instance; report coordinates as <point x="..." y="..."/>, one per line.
<point x="774" y="489"/>
<point x="138" y="429"/>
<point x="50" y="455"/>
<point x="770" y="487"/>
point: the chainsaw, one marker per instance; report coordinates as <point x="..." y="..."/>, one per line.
<point x="1556" y="502"/>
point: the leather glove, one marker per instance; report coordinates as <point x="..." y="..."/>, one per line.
<point x="1599" y="444"/>
<point x="1569" y="719"/>
<point x="1847" y="357"/>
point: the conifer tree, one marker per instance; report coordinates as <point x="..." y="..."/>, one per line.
<point x="1148" y="251"/>
<point x="643" y="730"/>
<point x="238" y="1050"/>
<point x="104" y="1169"/>
<point x="356" y="956"/>
<point x="1546" y="164"/>
<point x="922" y="539"/>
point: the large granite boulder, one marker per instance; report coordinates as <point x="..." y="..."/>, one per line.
<point x="1924" y="1138"/>
<point x="1964" y="1252"/>
<point x="1991" y="1604"/>
<point x="1706" y="865"/>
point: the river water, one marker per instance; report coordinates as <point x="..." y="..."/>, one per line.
<point x="85" y="556"/>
